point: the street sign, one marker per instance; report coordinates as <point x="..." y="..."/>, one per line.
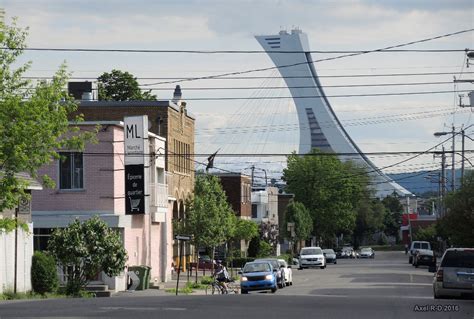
<point x="182" y="237"/>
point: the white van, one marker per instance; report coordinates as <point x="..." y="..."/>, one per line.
<point x="417" y="245"/>
<point x="312" y="257"/>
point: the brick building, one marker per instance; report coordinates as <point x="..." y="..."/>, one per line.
<point x="238" y="189"/>
<point x="169" y="119"/>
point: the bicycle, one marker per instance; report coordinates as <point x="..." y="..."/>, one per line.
<point x="215" y="288"/>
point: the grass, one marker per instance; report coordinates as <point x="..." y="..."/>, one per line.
<point x="10" y="295"/>
<point x="185" y="290"/>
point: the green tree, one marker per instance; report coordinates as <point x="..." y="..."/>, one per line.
<point x="209" y="218"/>
<point x="44" y="275"/>
<point x="303" y="224"/>
<point x="34" y="119"/>
<point x="370" y="219"/>
<point x="328" y="188"/>
<point x="86" y="249"/>
<point x="393" y="217"/>
<point x="457" y="227"/>
<point x="121" y="86"/>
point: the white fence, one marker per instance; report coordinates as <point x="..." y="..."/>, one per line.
<point x="7" y="260"/>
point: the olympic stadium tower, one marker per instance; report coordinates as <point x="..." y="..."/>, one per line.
<point x="319" y="126"/>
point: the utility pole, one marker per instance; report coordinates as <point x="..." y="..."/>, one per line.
<point x="462" y="155"/>
<point x="453" y="168"/>
<point x="443" y="181"/>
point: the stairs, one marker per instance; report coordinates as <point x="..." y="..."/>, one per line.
<point x="99" y="290"/>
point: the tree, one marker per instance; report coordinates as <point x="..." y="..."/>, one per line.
<point x="121" y="86"/>
<point x="303" y="225"/>
<point x="86" y="249"/>
<point x="328" y="188"/>
<point x="458" y="225"/>
<point x="34" y="119"/>
<point x="209" y="219"/>
<point x="393" y="218"/>
<point x="370" y="219"/>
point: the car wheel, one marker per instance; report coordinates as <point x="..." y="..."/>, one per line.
<point x="291" y="283"/>
<point x="322" y="267"/>
<point x="335" y="262"/>
<point x="274" y="290"/>
<point x="410" y="259"/>
<point x="244" y="292"/>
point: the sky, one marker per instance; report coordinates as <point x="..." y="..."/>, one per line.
<point x="376" y="123"/>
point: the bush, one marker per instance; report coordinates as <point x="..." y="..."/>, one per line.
<point x="241" y="261"/>
<point x="206" y="280"/>
<point x="265" y="249"/>
<point x="44" y="276"/>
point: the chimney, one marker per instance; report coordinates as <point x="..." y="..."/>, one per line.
<point x="177" y="95"/>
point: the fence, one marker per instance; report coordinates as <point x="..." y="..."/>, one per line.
<point x="24" y="258"/>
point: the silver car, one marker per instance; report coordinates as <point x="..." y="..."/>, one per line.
<point x="455" y="275"/>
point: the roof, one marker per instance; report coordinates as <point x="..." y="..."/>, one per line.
<point x="129" y="104"/>
<point x="33" y="184"/>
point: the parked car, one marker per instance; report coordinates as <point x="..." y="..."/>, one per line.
<point x="455" y="275"/>
<point x="204" y="262"/>
<point x="280" y="273"/>
<point x="312" y="257"/>
<point x="330" y="256"/>
<point x="424" y="257"/>
<point x="258" y="275"/>
<point x="338" y="253"/>
<point x="416" y="245"/>
<point x="287" y="271"/>
<point x="367" y="252"/>
<point x="348" y="252"/>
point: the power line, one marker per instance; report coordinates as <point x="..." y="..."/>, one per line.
<point x="237" y="51"/>
<point x="320" y="96"/>
<point x="261" y="77"/>
<point x="320" y="60"/>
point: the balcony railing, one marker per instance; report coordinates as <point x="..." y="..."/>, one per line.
<point x="159" y="195"/>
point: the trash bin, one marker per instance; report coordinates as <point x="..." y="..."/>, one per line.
<point x="143" y="274"/>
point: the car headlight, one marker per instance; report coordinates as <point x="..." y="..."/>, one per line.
<point x="243" y="279"/>
<point x="268" y="277"/>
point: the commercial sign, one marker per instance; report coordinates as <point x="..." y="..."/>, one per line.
<point x="136" y="152"/>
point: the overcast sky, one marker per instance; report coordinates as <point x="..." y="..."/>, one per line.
<point x="387" y="123"/>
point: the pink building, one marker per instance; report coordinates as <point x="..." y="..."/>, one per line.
<point x="93" y="183"/>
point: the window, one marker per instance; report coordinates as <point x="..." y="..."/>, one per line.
<point x="71" y="171"/>
<point x="254" y="211"/>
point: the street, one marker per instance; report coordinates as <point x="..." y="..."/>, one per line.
<point x="384" y="287"/>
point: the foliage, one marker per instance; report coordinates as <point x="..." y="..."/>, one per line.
<point x="121" y="86"/>
<point x="328" y="188"/>
<point x="297" y="213"/>
<point x="206" y="280"/>
<point x="185" y="290"/>
<point x="44" y="275"/>
<point x="393" y="218"/>
<point x="245" y="229"/>
<point x="10" y="295"/>
<point x="8" y="224"/>
<point x="369" y="220"/>
<point x="34" y="119"/>
<point x="209" y="220"/>
<point x="194" y="285"/>
<point x="265" y="249"/>
<point x="241" y="261"/>
<point x="85" y="249"/>
<point x="458" y="224"/>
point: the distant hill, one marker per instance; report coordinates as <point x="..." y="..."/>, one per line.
<point x="418" y="183"/>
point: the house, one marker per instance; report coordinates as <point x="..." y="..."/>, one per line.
<point x="93" y="182"/>
<point x="265" y="213"/>
<point x="16" y="247"/>
<point x="169" y="119"/>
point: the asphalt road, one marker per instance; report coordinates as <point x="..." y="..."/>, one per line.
<point x="386" y="287"/>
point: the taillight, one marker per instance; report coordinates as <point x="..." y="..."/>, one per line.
<point x="439" y="275"/>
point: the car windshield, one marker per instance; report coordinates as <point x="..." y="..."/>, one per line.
<point x="458" y="258"/>
<point x="312" y="251"/>
<point x="328" y="251"/>
<point x="365" y="250"/>
<point x="425" y="246"/>
<point x="257" y="267"/>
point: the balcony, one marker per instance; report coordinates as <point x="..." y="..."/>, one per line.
<point x="159" y="195"/>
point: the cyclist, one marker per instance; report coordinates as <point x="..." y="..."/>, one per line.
<point x="222" y="276"/>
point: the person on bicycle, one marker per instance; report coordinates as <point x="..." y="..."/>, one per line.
<point x="222" y="275"/>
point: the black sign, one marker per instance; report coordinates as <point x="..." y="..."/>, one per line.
<point x="134" y="189"/>
<point x="182" y="237"/>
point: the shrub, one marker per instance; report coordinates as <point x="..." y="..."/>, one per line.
<point x="206" y="280"/>
<point x="240" y="262"/>
<point x="44" y="277"/>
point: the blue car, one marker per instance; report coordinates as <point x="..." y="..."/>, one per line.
<point x="258" y="276"/>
